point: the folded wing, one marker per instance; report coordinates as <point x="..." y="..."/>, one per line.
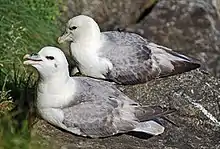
<point x="135" y="60"/>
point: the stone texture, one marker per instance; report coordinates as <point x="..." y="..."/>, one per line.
<point x="108" y="13"/>
<point x="194" y="129"/>
<point x="192" y="27"/>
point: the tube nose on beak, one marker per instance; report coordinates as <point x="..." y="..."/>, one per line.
<point x="33" y="54"/>
<point x="59" y="40"/>
<point x="33" y="57"/>
<point x="65" y="37"/>
<point x="26" y="56"/>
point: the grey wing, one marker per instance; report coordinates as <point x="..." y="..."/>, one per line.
<point x="90" y="89"/>
<point x="146" y="113"/>
<point x="135" y="60"/>
<point x="96" y="119"/>
<point x="96" y="107"/>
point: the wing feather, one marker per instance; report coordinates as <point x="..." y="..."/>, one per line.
<point x="101" y="110"/>
<point x="135" y="60"/>
<point x="96" y="109"/>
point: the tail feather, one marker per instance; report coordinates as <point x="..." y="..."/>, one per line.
<point x="146" y="113"/>
<point x="149" y="127"/>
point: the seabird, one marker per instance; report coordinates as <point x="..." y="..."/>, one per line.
<point x="87" y="106"/>
<point x="123" y="57"/>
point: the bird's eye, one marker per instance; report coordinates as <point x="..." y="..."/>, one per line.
<point x="50" y="57"/>
<point x="73" y="28"/>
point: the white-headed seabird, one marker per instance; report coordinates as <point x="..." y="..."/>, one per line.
<point x="123" y="57"/>
<point x="87" y="106"/>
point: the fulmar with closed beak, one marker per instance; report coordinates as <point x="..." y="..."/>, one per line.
<point x="123" y="57"/>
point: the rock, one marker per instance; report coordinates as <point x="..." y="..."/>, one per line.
<point x="190" y="93"/>
<point x="108" y="13"/>
<point x="191" y="27"/>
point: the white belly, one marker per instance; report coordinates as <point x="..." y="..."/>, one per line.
<point x="52" y="115"/>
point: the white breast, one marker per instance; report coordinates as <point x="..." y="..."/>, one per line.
<point x="89" y="61"/>
<point x="55" y="95"/>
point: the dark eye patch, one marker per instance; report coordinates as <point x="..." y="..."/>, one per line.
<point x="50" y="57"/>
<point x="73" y="27"/>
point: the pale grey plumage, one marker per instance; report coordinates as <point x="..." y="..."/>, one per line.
<point x="86" y="106"/>
<point x="98" y="109"/>
<point x="135" y="60"/>
<point x="95" y="107"/>
<point x="123" y="57"/>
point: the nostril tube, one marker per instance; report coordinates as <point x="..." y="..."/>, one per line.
<point x="34" y="54"/>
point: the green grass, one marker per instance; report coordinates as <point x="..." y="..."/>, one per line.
<point x="25" y="27"/>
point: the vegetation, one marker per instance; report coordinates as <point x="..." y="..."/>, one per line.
<point x="25" y="27"/>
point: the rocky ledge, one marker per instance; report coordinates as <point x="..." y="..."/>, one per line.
<point x="195" y="95"/>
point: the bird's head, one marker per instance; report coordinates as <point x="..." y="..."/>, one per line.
<point x="49" y="61"/>
<point x="80" y="28"/>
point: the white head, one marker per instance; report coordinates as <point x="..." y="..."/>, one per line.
<point x="80" y="28"/>
<point x="49" y="62"/>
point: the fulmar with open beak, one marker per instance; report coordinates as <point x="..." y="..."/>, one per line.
<point x="86" y="106"/>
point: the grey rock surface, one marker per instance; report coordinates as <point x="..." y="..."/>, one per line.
<point x="108" y="13"/>
<point x="191" y="94"/>
<point x="192" y="27"/>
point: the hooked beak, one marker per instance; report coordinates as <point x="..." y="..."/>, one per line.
<point x="63" y="38"/>
<point x="32" y="59"/>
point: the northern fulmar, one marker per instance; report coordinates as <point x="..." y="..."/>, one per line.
<point x="123" y="57"/>
<point x="87" y="106"/>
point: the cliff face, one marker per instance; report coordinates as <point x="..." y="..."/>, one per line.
<point x="195" y="95"/>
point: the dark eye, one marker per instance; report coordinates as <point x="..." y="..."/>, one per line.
<point x="73" y="27"/>
<point x="50" y="57"/>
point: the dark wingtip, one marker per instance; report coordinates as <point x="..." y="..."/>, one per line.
<point x="152" y="112"/>
<point x="184" y="66"/>
<point x="181" y="67"/>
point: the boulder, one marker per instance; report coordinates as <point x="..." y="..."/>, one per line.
<point x="190" y="27"/>
<point x="108" y="13"/>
